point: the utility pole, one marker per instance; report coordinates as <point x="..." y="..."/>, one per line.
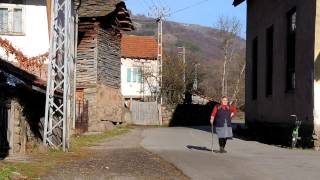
<point x="160" y="53"/>
<point x="184" y="65"/>
<point x="195" y="84"/>
<point x="159" y="13"/>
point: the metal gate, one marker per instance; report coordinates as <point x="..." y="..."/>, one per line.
<point x="82" y="116"/>
<point x="145" y="113"/>
<point x="4" y="136"/>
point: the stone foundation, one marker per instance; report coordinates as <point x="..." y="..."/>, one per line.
<point x="22" y="139"/>
<point x="105" y="106"/>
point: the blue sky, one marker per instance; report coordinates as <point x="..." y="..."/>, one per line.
<point x="205" y="13"/>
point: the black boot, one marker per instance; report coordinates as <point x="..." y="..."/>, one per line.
<point x="224" y="145"/>
<point x="222" y="150"/>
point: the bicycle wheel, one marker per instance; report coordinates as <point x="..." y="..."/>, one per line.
<point x="294" y="142"/>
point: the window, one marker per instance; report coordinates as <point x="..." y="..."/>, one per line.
<point x="12" y="1"/>
<point x="291" y="50"/>
<point x="255" y="68"/>
<point x="11" y="18"/>
<point x="269" y="61"/>
<point x="134" y="75"/>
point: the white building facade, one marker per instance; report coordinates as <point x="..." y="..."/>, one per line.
<point x="24" y="23"/>
<point x="139" y="68"/>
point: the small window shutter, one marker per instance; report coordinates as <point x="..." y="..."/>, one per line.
<point x="3" y="20"/>
<point x="129" y="75"/>
<point x="17" y="20"/>
<point x="139" y="75"/>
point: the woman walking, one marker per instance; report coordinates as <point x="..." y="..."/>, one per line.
<point x="221" y="118"/>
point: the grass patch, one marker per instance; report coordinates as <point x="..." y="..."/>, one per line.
<point x="43" y="161"/>
<point x="6" y="172"/>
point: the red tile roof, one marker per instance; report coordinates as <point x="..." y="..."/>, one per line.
<point x="140" y="47"/>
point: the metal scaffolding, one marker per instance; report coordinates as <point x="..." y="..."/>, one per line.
<point x="60" y="74"/>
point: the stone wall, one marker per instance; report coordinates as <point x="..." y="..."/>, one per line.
<point x="105" y="106"/>
<point x="167" y="114"/>
<point x="22" y="139"/>
<point x="109" y="104"/>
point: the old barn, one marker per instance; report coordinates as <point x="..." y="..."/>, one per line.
<point x="99" y="61"/>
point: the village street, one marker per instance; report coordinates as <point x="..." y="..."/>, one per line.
<point x="124" y="157"/>
<point x="187" y="149"/>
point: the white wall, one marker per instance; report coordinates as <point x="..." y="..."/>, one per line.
<point x="35" y="41"/>
<point x="135" y="89"/>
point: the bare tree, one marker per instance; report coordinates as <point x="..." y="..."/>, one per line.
<point x="240" y="80"/>
<point x="229" y="29"/>
<point x="172" y="77"/>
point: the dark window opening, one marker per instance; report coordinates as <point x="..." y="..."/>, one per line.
<point x="291" y="50"/>
<point x="269" y="61"/>
<point x="255" y="68"/>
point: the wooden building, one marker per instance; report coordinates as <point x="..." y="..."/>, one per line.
<point x="99" y="60"/>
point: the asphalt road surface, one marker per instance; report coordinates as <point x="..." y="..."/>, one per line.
<point x="189" y="149"/>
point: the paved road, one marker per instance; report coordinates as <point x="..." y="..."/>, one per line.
<point x="186" y="149"/>
<point x="118" y="158"/>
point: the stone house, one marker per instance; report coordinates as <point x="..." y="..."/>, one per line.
<point x="283" y="71"/>
<point x="139" y="68"/>
<point x="22" y="99"/>
<point x="98" y="60"/>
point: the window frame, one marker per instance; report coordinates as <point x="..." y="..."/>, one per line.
<point x="269" y="60"/>
<point x="291" y="38"/>
<point x="135" y="75"/>
<point x="11" y="8"/>
<point x="254" y="69"/>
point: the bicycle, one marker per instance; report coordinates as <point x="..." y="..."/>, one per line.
<point x="295" y="132"/>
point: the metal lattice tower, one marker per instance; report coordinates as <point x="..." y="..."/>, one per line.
<point x="61" y="59"/>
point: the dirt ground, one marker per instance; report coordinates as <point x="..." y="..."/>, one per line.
<point x="120" y="158"/>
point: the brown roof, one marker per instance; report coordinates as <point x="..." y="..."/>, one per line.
<point x="22" y="74"/>
<point x="96" y="8"/>
<point x="142" y="47"/>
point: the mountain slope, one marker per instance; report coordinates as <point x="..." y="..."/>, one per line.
<point x="202" y="46"/>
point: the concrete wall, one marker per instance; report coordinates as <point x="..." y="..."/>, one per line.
<point x="136" y="89"/>
<point x="35" y="40"/>
<point x="275" y="110"/>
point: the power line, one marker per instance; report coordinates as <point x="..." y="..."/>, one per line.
<point x="188" y="7"/>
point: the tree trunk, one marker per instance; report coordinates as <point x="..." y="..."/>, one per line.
<point x="237" y="87"/>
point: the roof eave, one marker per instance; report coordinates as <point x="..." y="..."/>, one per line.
<point x="237" y="2"/>
<point x="137" y="57"/>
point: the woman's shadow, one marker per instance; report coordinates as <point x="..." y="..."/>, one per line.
<point x="201" y="148"/>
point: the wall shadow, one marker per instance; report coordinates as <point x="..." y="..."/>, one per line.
<point x="192" y="115"/>
<point x="4" y="144"/>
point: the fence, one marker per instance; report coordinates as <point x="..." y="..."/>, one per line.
<point x="82" y="116"/>
<point x="145" y="113"/>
